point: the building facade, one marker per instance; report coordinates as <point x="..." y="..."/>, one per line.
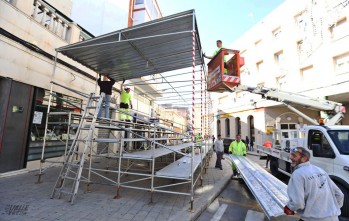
<point x="301" y="47"/>
<point x="30" y="33"/>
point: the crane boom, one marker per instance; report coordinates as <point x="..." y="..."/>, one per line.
<point x="333" y="109"/>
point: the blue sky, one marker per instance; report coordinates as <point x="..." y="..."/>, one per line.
<point x="221" y="19"/>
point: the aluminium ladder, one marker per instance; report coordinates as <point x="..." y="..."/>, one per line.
<point x="70" y="175"/>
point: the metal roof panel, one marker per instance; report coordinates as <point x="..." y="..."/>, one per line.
<point x="158" y="46"/>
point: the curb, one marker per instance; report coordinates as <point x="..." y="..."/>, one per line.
<point x="207" y="200"/>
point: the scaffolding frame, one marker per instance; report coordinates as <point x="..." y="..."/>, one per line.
<point x="197" y="159"/>
<point x="196" y="154"/>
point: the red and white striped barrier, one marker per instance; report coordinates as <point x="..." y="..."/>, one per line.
<point x="231" y="79"/>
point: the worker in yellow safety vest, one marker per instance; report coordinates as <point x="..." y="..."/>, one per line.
<point x="237" y="147"/>
<point x="198" y="138"/>
<point x="125" y="102"/>
<point x="219" y="47"/>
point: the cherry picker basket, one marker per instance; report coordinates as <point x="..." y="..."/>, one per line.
<point x="222" y="78"/>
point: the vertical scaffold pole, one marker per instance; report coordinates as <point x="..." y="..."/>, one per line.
<point x="46" y="124"/>
<point x="207" y="125"/>
<point x="153" y="163"/>
<point x="193" y="120"/>
<point x="119" y="169"/>
<point x="205" y="115"/>
<point x="202" y="134"/>
<point x="201" y="103"/>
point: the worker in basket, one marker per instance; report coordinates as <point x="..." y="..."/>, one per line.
<point x="219" y="47"/>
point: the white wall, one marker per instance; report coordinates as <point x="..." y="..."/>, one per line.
<point x="259" y="44"/>
<point x="314" y="75"/>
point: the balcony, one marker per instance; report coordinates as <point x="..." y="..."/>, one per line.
<point x="51" y="19"/>
<point x="27" y="19"/>
<point x="31" y="41"/>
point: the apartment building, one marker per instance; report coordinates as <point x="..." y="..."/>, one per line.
<point x="30" y="31"/>
<point x="301" y="47"/>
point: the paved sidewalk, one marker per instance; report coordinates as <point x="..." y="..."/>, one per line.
<point x="22" y="199"/>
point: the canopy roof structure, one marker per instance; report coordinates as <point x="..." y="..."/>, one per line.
<point x="158" y="46"/>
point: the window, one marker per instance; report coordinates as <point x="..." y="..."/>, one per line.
<point x="237" y="125"/>
<point x="307" y="74"/>
<point x="227" y="127"/>
<point x="300" y="21"/>
<point x="260" y="67"/>
<point x="277" y="33"/>
<point x="341" y="140"/>
<point x="279" y="58"/>
<point x="300" y="46"/>
<point x="218" y="127"/>
<point x="258" y="49"/>
<point x="258" y="43"/>
<point x="340" y="29"/>
<point x="342" y="64"/>
<point x="304" y="49"/>
<point x="288" y="131"/>
<point x="251" y="134"/>
<point x="288" y="126"/>
<point x="279" y="63"/>
<point x="261" y="70"/>
<point x="319" y="144"/>
<point x="281" y="81"/>
<point x="58" y="132"/>
<point x="138" y="2"/>
<point x="284" y="134"/>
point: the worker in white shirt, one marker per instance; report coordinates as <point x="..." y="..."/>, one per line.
<point x="218" y="145"/>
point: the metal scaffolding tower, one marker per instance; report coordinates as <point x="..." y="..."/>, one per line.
<point x="145" y="150"/>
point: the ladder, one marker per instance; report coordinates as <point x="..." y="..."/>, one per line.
<point x="70" y="174"/>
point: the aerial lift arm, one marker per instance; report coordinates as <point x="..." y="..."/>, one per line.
<point x="334" y="109"/>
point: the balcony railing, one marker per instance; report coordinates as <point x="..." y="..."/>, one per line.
<point x="51" y="19"/>
<point x="56" y="22"/>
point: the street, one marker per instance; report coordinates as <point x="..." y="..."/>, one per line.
<point x="236" y="202"/>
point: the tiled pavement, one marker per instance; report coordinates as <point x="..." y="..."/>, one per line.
<point x="22" y="199"/>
